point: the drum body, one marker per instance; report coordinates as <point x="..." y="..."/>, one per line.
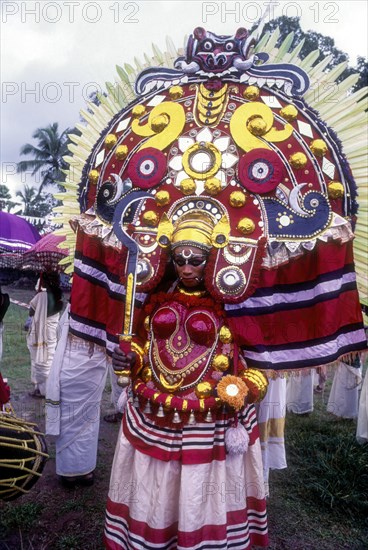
<point x="23" y="455"/>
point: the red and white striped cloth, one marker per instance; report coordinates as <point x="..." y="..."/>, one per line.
<point x="303" y="314"/>
<point x="185" y="502"/>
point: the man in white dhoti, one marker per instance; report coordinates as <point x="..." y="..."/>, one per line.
<point x="73" y="397"/>
<point x="45" y="310"/>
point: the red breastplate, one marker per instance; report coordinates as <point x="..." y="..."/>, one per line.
<point x="183" y="342"/>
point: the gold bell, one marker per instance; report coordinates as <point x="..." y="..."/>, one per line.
<point x="147" y="408"/>
<point x="176" y="418"/>
<point x="160" y="412"/>
<point x="209" y="417"/>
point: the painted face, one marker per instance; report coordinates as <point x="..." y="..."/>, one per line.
<point x="189" y="262"/>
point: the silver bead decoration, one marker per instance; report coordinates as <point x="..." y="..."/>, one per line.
<point x="136" y="402"/>
<point x="143" y="270"/>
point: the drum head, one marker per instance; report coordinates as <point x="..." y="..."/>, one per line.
<point x="23" y="455"/>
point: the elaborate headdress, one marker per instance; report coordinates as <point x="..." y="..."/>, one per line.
<point x="226" y="137"/>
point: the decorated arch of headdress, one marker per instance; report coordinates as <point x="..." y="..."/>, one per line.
<point x="230" y="131"/>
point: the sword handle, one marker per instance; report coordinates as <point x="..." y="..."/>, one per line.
<point x="125" y="343"/>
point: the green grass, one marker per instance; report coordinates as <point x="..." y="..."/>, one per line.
<point x="23" y="516"/>
<point x="69" y="542"/>
<point x="333" y="465"/>
<point x="321" y="499"/>
<point x="15" y="365"/>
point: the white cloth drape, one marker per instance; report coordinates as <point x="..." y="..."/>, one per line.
<point x="82" y="381"/>
<point x="299" y="393"/>
<point x="271" y="421"/>
<point x="41" y="341"/>
<point x="52" y="410"/>
<point x="362" y="426"/>
<point x="344" y="394"/>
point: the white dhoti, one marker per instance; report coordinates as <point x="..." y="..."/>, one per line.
<point x="41" y="341"/>
<point x="271" y="422"/>
<point x="82" y="381"/>
<point x="116" y="390"/>
<point x="362" y="426"/>
<point x="344" y="395"/>
<point x="299" y="393"/>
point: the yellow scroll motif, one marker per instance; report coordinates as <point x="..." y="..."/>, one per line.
<point x="244" y="137"/>
<point x="165" y="124"/>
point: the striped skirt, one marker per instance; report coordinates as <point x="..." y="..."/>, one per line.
<point x="177" y="504"/>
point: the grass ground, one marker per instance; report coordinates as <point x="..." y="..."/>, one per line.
<point x="319" y="502"/>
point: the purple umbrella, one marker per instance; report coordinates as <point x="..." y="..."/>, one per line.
<point x="16" y="234"/>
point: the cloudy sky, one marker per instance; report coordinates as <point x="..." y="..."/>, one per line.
<point x="55" y="53"/>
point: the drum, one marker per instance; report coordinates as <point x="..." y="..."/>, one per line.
<point x="23" y="455"/>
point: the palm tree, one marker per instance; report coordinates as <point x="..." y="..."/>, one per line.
<point x="5" y="199"/>
<point x="47" y="155"/>
<point x="28" y="196"/>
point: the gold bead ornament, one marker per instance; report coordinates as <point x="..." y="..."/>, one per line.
<point x="151" y="218"/>
<point x="237" y="199"/>
<point x="289" y="113"/>
<point x="93" y="176"/>
<point x="138" y="111"/>
<point x="225" y="335"/>
<point x="110" y="141"/>
<point x="213" y="186"/>
<point x="335" y="190"/>
<point x="162" y="198"/>
<point x="298" y="160"/>
<point x="188" y="186"/>
<point x="176" y="92"/>
<point x="203" y="390"/>
<point x="318" y="147"/>
<point x="257" y="126"/>
<point x="251" y="93"/>
<point x="246" y="226"/>
<point x="159" y="123"/>
<point x="121" y="152"/>
<point x="221" y="363"/>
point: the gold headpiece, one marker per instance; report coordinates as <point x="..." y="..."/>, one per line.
<point x="193" y="229"/>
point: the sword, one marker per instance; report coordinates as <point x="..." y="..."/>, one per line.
<point x="126" y="337"/>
